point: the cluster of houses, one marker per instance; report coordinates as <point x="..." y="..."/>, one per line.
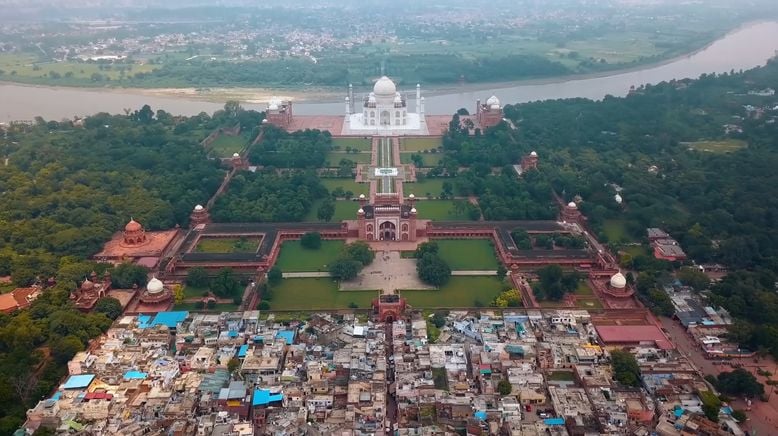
<point x="240" y="373"/>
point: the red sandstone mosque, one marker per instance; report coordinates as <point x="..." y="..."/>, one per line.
<point x="135" y="244"/>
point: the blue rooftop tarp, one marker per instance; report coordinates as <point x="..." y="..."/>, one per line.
<point x="143" y="321"/>
<point x="243" y="350"/>
<point x="678" y="412"/>
<point x="232" y="334"/>
<point x="79" y="381"/>
<point x="480" y="415"/>
<point x="57" y="395"/>
<point x="135" y="375"/>
<point x="263" y="397"/>
<point x="554" y="421"/>
<point x="287" y="335"/>
<point x="169" y="319"/>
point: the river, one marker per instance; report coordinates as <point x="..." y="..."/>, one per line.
<point x="744" y="48"/>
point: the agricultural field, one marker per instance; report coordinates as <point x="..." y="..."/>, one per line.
<point x="460" y="291"/>
<point x="316" y="294"/>
<point x="468" y="254"/>
<point x="28" y="68"/>
<point x="718" y="147"/>
<point x="295" y="258"/>
<point x="227" y="245"/>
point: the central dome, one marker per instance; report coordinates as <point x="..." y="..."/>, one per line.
<point x="133" y="226"/>
<point x="155" y="286"/>
<point x="385" y="87"/>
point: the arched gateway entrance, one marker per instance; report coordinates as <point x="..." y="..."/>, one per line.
<point x="388" y="231"/>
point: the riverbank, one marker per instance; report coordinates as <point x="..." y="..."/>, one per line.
<point x="303" y="94"/>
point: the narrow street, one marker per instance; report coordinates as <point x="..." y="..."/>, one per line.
<point x="763" y="416"/>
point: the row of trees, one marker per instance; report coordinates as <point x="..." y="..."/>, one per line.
<point x="430" y="267"/>
<point x="554" y="283"/>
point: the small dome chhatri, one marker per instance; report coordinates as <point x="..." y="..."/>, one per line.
<point x="618" y="281"/>
<point x="155" y="286"/>
<point x="572" y="205"/>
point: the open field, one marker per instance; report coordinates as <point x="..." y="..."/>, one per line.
<point x="428" y="159"/>
<point x="316" y="294"/>
<point x="431" y="186"/>
<point x="226" y="146"/>
<point x="344" y="210"/>
<point x="194" y="292"/>
<point x="460" y="291"/>
<point x="28" y="68"/>
<point x="334" y="157"/>
<point x="616" y="231"/>
<point x="347" y="185"/>
<point x="295" y="258"/>
<point x="468" y="254"/>
<point x="362" y="144"/>
<point x="227" y="245"/>
<point x="723" y="146"/>
<point x="438" y="210"/>
<point x="420" y="144"/>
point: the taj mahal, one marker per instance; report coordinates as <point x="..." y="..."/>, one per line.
<point x="384" y="110"/>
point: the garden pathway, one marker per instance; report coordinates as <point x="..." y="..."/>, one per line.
<point x="302" y="275"/>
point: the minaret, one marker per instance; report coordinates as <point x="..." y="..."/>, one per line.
<point x="348" y="108"/>
<point x="351" y="98"/>
<point x="421" y="112"/>
<point x="418" y="98"/>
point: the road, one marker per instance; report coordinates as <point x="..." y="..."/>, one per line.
<point x="763" y="416"/>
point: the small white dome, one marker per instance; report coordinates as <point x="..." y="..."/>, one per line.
<point x="361" y="211"/>
<point x="371" y="98"/>
<point x="534" y="154"/>
<point x="492" y="101"/>
<point x="495" y="107"/>
<point x="361" y="196"/>
<point x="346" y="98"/>
<point x="411" y="196"/>
<point x="572" y="205"/>
<point x="155" y="286"/>
<point x="413" y="210"/>
<point x="618" y="198"/>
<point x="384" y="86"/>
<point x="198" y="208"/>
<point x="272" y="107"/>
<point x="398" y="99"/>
<point x="618" y="281"/>
<point x="235" y="155"/>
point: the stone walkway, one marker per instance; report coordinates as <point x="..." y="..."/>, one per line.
<point x="474" y="273"/>
<point x="305" y="275"/>
<point x="392" y="267"/>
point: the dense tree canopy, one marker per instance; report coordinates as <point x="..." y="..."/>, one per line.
<point x="625" y="368"/>
<point x="300" y="149"/>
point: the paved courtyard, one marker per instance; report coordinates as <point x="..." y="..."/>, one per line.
<point x="388" y="272"/>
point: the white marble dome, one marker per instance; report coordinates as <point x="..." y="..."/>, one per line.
<point x="361" y="196"/>
<point x="361" y="211"/>
<point x="411" y="196"/>
<point x="198" y="208"/>
<point x="155" y="286"/>
<point x="572" y="205"/>
<point x="235" y="155"/>
<point x="618" y="198"/>
<point x="534" y="154"/>
<point x="413" y="210"/>
<point x="493" y="101"/>
<point x="384" y="87"/>
<point x="618" y="281"/>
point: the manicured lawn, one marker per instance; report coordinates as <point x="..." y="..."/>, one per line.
<point x="194" y="292"/>
<point x="225" y="146"/>
<point x="433" y="187"/>
<point x="468" y="254"/>
<point x="347" y="185"/>
<point x="616" y="230"/>
<point x="358" y="143"/>
<point x="428" y="159"/>
<point x="227" y="245"/>
<point x="584" y="289"/>
<point x="420" y="144"/>
<point x="344" y="210"/>
<point x="438" y="210"/>
<point x="333" y="158"/>
<point x="295" y="258"/>
<point x="461" y="291"/>
<point x="316" y="294"/>
<point x="723" y="146"/>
